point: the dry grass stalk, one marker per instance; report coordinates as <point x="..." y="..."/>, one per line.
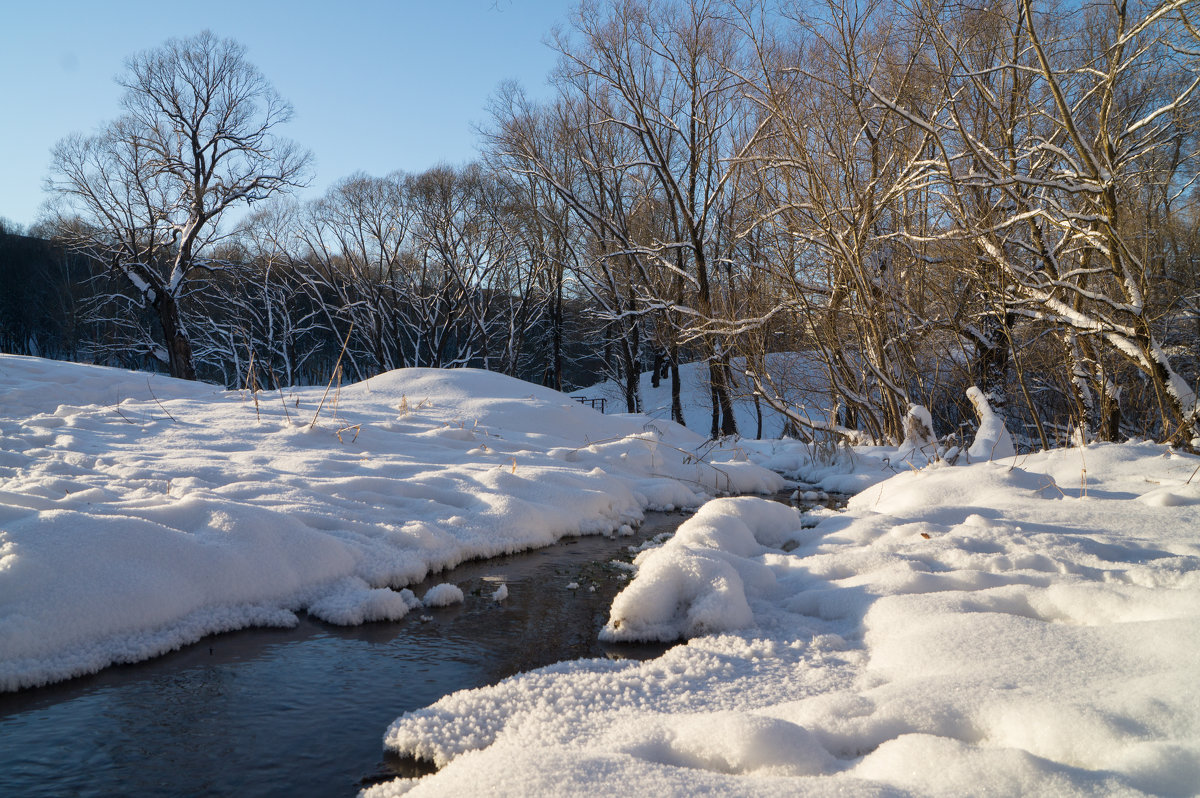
<point x="117" y="407"/>
<point x="337" y="370"/>
<point x="282" y="400"/>
<point x="160" y="404"/>
<point x="357" y="429"/>
<point x="252" y="385"/>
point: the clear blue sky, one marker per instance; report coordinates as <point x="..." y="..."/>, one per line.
<point x="376" y="85"/>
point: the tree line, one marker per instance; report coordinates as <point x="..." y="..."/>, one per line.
<point x="916" y="196"/>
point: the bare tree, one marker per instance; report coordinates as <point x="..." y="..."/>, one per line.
<point x="197" y="138"/>
<point x="1058" y="129"/>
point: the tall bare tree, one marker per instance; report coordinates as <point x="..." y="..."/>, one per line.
<point x="197" y="137"/>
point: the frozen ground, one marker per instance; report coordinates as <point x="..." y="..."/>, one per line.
<point x="1027" y="627"/>
<point x="141" y="513"/>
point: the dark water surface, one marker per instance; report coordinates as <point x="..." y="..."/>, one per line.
<point x="302" y="711"/>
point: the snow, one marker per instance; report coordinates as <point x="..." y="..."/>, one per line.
<point x="443" y="595"/>
<point x="352" y="601"/>
<point x="1002" y="628"/>
<point x="919" y="440"/>
<point x="1005" y="624"/>
<point x="698" y="581"/>
<point x="139" y="513"/>
<point x="790" y="374"/>
<point x="992" y="441"/>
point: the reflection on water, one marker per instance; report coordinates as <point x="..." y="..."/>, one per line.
<point x="267" y="711"/>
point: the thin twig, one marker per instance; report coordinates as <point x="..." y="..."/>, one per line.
<point x="252" y="385"/>
<point x="117" y="407"/>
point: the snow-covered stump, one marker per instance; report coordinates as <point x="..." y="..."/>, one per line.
<point x="992" y="441"/>
<point x="919" y="439"/>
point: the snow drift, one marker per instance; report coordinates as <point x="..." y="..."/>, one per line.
<point x="698" y="581"/>
<point x="139" y="513"/>
<point x="958" y="630"/>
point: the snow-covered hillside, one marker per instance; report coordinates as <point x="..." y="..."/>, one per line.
<point x="789" y="371"/>
<point x="139" y="513"/>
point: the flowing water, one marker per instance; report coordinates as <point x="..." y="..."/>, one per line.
<point x="303" y="711"/>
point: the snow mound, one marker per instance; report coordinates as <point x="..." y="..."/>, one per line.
<point x="939" y="488"/>
<point x="443" y="595"/>
<point x="696" y="583"/>
<point x="727" y="742"/>
<point x="1174" y="496"/>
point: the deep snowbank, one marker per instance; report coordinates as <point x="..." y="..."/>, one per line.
<point x="139" y="513"/>
<point x="1017" y="628"/>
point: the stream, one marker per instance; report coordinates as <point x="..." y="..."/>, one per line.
<point x="303" y="710"/>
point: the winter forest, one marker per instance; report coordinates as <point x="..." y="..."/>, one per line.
<point x="918" y="197"/>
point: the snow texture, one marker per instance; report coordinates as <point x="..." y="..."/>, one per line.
<point x="958" y="630"/>
<point x="698" y="581"/>
<point x="139" y="513"/>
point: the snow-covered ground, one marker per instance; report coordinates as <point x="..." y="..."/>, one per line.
<point x="1029" y="626"/>
<point x="1024" y="627"/>
<point x="140" y="513"/>
<point x="789" y="372"/>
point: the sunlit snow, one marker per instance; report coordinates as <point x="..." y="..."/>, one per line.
<point x="1026" y="625"/>
<point x="1020" y="627"/>
<point x="139" y="513"/>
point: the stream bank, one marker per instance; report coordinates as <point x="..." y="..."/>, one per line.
<point x="264" y="711"/>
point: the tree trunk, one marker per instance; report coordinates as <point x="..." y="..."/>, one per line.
<point x="556" y="322"/>
<point x="723" y="422"/>
<point x="179" y="348"/>
<point x="728" y="421"/>
<point x="676" y="402"/>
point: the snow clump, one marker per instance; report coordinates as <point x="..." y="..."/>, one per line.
<point x="992" y="441"/>
<point x="443" y="595"/>
<point x="352" y="601"/>
<point x="697" y="582"/>
<point x="918" y="434"/>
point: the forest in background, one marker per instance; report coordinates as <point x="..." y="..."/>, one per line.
<point x="918" y="196"/>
